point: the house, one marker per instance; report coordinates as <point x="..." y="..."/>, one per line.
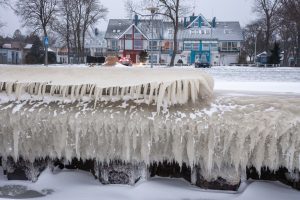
<point x="215" y="42"/>
<point x="10" y="55"/>
<point x="128" y="38"/>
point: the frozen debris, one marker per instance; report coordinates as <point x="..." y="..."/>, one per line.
<point x="236" y="135"/>
<point x="164" y="87"/>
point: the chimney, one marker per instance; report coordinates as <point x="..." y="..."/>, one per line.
<point x="136" y="19"/>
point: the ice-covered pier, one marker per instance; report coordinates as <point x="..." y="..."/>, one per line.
<point x="132" y="123"/>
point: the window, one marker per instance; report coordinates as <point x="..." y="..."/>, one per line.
<point x="114" y="44"/>
<point x="128" y="36"/>
<point x="153" y="45"/>
<point x="207" y="31"/>
<point x="229" y="46"/>
<point x="202" y="32"/>
<point x="170" y="31"/>
<point x="205" y="47"/>
<point x="138" y="36"/>
<point x="138" y="44"/>
<point x="227" y="31"/>
<point x="154" y="58"/>
<point x="187" y="46"/>
<point x="214" y="47"/>
<point x="167" y="45"/>
<point x="196" y="46"/>
<point x="128" y="44"/>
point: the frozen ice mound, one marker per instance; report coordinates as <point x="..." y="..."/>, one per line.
<point x="223" y="137"/>
<point x="163" y="87"/>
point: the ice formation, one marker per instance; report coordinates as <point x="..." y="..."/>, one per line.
<point x="223" y="138"/>
<point x="164" y="87"/>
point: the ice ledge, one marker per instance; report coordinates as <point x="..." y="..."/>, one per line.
<point x="164" y="87"/>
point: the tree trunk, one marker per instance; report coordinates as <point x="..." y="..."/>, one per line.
<point x="68" y="37"/>
<point x="297" y="59"/>
<point x="268" y="35"/>
<point x="174" y="49"/>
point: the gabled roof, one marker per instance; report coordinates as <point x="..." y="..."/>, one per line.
<point x="132" y="25"/>
<point x="117" y="27"/>
<point x="203" y="18"/>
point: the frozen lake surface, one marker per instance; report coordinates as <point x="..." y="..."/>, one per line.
<point x="255" y="79"/>
<point x="255" y="74"/>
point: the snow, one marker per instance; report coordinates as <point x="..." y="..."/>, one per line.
<point x="253" y="119"/>
<point x="78" y="185"/>
<point x="165" y="87"/>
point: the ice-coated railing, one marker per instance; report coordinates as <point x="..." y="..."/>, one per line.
<point x="164" y="87"/>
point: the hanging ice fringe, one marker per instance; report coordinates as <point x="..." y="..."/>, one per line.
<point x="161" y="86"/>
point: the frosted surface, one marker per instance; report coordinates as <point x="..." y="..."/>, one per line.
<point x="230" y="133"/>
<point x="161" y="86"/>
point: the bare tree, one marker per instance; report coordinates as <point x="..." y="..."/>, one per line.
<point x="170" y="10"/>
<point x="62" y="25"/>
<point x="37" y="14"/>
<point x="291" y="14"/>
<point x="267" y="9"/>
<point x="253" y="39"/>
<point x="82" y="15"/>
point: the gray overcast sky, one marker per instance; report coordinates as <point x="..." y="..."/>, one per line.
<point x="224" y="10"/>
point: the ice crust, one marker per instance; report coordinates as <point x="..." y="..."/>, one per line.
<point x="222" y="138"/>
<point x="164" y="87"/>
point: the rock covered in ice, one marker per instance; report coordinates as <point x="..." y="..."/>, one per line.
<point x="164" y="87"/>
<point x="231" y="133"/>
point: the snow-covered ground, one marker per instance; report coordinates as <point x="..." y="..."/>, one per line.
<point x="229" y="80"/>
<point x="79" y="185"/>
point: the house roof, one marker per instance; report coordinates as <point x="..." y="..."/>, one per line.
<point x="117" y="27"/>
<point x="224" y="31"/>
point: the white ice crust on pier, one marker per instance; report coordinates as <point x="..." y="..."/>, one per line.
<point x="222" y="138"/>
<point x="164" y="87"/>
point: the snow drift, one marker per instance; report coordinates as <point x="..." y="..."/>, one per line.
<point x="223" y="138"/>
<point x="164" y="87"/>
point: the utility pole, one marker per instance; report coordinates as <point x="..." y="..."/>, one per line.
<point x="153" y="10"/>
<point x="46" y="44"/>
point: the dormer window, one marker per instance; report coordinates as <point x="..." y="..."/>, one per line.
<point x="227" y="31"/>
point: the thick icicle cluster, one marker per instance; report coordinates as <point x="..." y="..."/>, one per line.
<point x="164" y="87"/>
<point x="222" y="138"/>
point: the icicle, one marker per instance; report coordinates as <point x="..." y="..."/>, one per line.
<point x="151" y="93"/>
<point x="193" y="91"/>
<point x="161" y="95"/>
<point x="77" y="91"/>
<point x="91" y="91"/>
<point x="1" y="85"/>
<point x="97" y="90"/>
<point x="44" y="88"/>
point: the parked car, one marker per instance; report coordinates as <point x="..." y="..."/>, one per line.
<point x="125" y="61"/>
<point x="202" y="65"/>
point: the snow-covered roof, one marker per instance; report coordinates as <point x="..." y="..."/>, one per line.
<point x="224" y="31"/>
<point x="117" y="27"/>
<point x="28" y="46"/>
